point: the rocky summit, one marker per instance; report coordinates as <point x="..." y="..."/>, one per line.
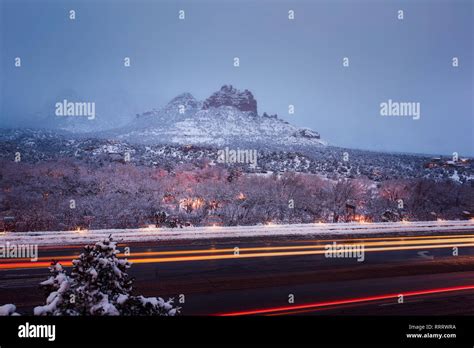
<point x="230" y="96"/>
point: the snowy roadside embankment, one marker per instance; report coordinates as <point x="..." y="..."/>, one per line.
<point x="214" y="232"/>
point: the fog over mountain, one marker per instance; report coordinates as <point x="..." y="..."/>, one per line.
<point x="282" y="62"/>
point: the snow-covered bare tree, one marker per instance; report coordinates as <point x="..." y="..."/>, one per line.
<point x="343" y="192"/>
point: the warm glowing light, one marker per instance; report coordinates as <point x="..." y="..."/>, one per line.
<point x="80" y="230"/>
<point x="191" y="203"/>
<point x="241" y="196"/>
<point x="361" y="219"/>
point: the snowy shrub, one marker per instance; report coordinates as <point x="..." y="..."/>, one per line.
<point x="139" y="305"/>
<point x="98" y="285"/>
<point x="8" y="310"/>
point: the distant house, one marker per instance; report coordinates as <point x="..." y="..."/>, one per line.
<point x="464" y="162"/>
<point x="439" y="162"/>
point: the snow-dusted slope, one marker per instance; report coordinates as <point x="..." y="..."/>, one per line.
<point x="228" y="117"/>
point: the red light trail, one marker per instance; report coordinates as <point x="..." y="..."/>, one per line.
<point x="321" y="305"/>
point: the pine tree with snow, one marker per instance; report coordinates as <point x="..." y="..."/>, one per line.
<point x="99" y="285"/>
<point x="100" y="278"/>
<point x="60" y="300"/>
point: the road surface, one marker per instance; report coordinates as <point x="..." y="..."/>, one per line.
<point x="284" y="275"/>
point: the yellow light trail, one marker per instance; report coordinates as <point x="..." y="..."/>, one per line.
<point x="270" y="248"/>
<point x="228" y="253"/>
<point x="289" y="253"/>
<point x="399" y="237"/>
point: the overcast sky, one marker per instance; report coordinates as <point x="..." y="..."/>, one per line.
<point x="282" y="62"/>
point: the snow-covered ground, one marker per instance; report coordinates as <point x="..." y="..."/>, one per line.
<point x="213" y="232"/>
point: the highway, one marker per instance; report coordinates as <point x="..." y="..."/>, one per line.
<point x="280" y="275"/>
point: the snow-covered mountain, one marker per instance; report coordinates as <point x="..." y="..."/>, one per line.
<point x="227" y="117"/>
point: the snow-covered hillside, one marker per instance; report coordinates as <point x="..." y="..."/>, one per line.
<point x="228" y="117"/>
<point x="47" y="145"/>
